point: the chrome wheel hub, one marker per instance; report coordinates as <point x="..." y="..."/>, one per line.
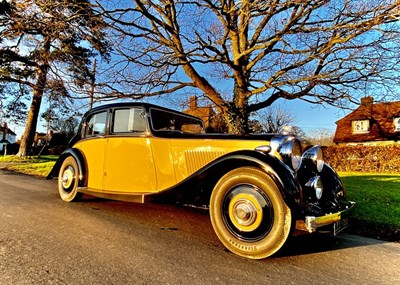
<point x="68" y="177"/>
<point x="245" y="212"/>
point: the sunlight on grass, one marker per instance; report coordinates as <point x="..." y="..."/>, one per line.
<point x="377" y="197"/>
<point x="30" y="159"/>
<point x="32" y="165"/>
<point x="41" y="169"/>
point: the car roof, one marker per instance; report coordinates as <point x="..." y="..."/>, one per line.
<point x="147" y="106"/>
<point x="121" y="104"/>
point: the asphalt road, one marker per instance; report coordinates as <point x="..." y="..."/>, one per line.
<point x="44" y="240"/>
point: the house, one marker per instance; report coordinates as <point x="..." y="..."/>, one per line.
<point x="50" y="143"/>
<point x="40" y="139"/>
<point x="370" y="124"/>
<point x="212" y="122"/>
<point x="7" y="136"/>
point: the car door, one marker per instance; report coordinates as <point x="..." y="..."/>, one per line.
<point x="92" y="146"/>
<point x="129" y="165"/>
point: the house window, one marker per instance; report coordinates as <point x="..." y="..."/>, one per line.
<point x="396" y="123"/>
<point x="360" y="127"/>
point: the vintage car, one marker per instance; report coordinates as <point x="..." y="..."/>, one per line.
<point x="258" y="188"/>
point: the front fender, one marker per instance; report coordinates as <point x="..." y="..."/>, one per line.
<point x="80" y="160"/>
<point x="197" y="188"/>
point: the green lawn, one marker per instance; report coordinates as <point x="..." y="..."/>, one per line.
<point x="377" y="197"/>
<point x="32" y="165"/>
<point x="31" y="159"/>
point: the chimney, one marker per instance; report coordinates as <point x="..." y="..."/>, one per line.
<point x="193" y="103"/>
<point x="367" y="101"/>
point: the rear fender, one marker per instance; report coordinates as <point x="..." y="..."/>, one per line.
<point x="80" y="160"/>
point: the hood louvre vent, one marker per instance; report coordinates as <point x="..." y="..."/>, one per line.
<point x="196" y="159"/>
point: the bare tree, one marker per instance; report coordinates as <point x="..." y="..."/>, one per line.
<point x="245" y="55"/>
<point x="66" y="125"/>
<point x="275" y="120"/>
<point x="59" y="115"/>
<point x="322" y="137"/>
<point x="46" y="44"/>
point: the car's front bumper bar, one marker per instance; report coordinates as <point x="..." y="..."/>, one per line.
<point x="312" y="223"/>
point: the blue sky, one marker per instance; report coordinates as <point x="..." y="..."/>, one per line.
<point x="310" y="117"/>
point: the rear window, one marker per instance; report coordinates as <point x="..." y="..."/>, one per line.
<point x="162" y="120"/>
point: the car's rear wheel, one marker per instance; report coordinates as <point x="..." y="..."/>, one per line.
<point x="248" y="213"/>
<point x="68" y="179"/>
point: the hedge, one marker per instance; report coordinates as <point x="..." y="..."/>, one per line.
<point x="381" y="159"/>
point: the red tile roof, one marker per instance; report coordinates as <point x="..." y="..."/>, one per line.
<point x="381" y="119"/>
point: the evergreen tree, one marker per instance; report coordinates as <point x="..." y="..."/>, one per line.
<point x="48" y="41"/>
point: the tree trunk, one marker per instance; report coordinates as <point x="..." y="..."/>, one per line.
<point x="237" y="116"/>
<point x="237" y="121"/>
<point x="33" y="114"/>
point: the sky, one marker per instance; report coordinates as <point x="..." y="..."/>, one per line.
<point x="310" y="117"/>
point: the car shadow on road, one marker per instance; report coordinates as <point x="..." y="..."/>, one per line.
<point x="322" y="242"/>
<point x="188" y="220"/>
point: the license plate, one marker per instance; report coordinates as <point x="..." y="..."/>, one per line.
<point x="340" y="225"/>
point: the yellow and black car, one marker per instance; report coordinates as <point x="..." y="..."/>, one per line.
<point x="258" y="188"/>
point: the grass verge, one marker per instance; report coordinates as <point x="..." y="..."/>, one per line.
<point x="377" y="213"/>
<point x="31" y="165"/>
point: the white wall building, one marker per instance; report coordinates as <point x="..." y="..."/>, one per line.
<point x="7" y="136"/>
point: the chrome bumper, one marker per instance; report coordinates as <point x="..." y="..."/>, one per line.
<point x="311" y="223"/>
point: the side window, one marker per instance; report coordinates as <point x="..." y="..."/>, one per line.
<point x="96" y="124"/>
<point x="130" y="120"/>
<point x="169" y="122"/>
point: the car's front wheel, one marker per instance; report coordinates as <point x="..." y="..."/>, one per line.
<point x="68" y="179"/>
<point x="248" y="213"/>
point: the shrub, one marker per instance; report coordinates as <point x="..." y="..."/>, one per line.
<point x="377" y="159"/>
